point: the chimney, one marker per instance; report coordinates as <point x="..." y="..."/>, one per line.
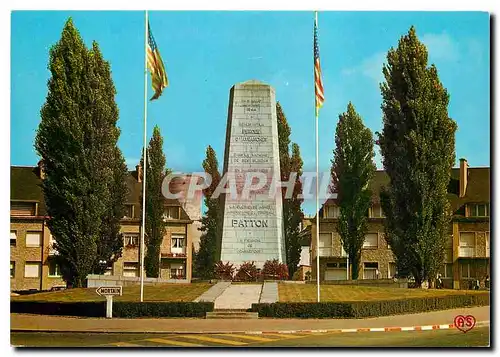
<point x="463" y="177"/>
<point x="138" y="168"/>
<point x="41" y="170"/>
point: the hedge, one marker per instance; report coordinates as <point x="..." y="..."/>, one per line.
<point x="363" y="309"/>
<point x="89" y="309"/>
<point x="120" y="308"/>
<point x="161" y="309"/>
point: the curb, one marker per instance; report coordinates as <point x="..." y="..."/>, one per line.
<point x="347" y="330"/>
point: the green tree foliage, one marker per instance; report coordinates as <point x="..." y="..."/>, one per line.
<point x="418" y="148"/>
<point x="155" y="203"/>
<point x="211" y="222"/>
<point x="292" y="212"/>
<point x="352" y="170"/>
<point x="109" y="248"/>
<point x="77" y="140"/>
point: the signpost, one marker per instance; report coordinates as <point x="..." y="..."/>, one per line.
<point x="109" y="292"/>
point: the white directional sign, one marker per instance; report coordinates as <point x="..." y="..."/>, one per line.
<point x="109" y="290"/>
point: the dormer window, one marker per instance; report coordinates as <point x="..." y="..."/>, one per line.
<point x="171" y="212"/>
<point x="129" y="211"/>
<point x="375" y="212"/>
<point x="479" y="210"/>
<point x="331" y="211"/>
<point x="20" y="208"/>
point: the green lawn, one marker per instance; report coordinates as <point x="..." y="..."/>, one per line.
<point x="307" y="293"/>
<point x="163" y="292"/>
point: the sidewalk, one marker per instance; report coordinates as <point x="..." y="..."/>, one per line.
<point x="39" y="323"/>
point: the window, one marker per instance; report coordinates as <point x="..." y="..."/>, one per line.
<point x="54" y="269"/>
<point x="325" y="245"/>
<point x="376" y="212"/>
<point x="331" y="211"/>
<point x="171" y="212"/>
<point x="479" y="210"/>
<point x="12" y="269"/>
<point x="22" y="208"/>
<point x="465" y="270"/>
<point x="31" y="270"/>
<point x="130" y="240"/>
<point x="13" y="238"/>
<point x="467" y="243"/>
<point x="370" y="270"/>
<point x="33" y="239"/>
<point x="467" y="239"/>
<point x="176" y="271"/>
<point x="371" y="240"/>
<point x="178" y="242"/>
<point x="129" y="211"/>
<point x="130" y="269"/>
<point x="392" y="270"/>
<point x="447" y="271"/>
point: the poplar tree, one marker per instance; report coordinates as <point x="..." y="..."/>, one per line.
<point x="418" y="148"/>
<point x="77" y="141"/>
<point x="211" y="222"/>
<point x="352" y="169"/>
<point x="292" y="211"/>
<point x="155" y="203"/>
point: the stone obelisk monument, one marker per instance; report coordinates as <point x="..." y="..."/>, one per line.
<point x="253" y="225"/>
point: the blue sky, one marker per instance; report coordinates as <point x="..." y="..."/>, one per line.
<point x="207" y="52"/>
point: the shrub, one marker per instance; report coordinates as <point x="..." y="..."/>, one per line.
<point x="120" y="308"/>
<point x="224" y="271"/>
<point x="161" y="309"/>
<point x="274" y="270"/>
<point x="364" y="309"/>
<point x="247" y="272"/>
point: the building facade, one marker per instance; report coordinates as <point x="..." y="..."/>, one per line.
<point x="467" y="254"/>
<point x="32" y="262"/>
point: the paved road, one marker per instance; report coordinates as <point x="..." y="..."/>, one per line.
<point x="478" y="337"/>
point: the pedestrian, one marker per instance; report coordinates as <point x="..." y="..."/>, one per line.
<point x="439" y="281"/>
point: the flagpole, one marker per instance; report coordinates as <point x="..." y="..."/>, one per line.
<point x="317" y="189"/>
<point x="144" y="170"/>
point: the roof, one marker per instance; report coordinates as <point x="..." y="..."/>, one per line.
<point x="25" y="185"/>
<point x="477" y="191"/>
<point x="478" y="188"/>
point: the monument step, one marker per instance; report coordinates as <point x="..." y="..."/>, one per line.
<point x="231" y="315"/>
<point x="230" y="310"/>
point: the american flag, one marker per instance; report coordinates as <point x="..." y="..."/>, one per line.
<point x="156" y="66"/>
<point x="318" y="82"/>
